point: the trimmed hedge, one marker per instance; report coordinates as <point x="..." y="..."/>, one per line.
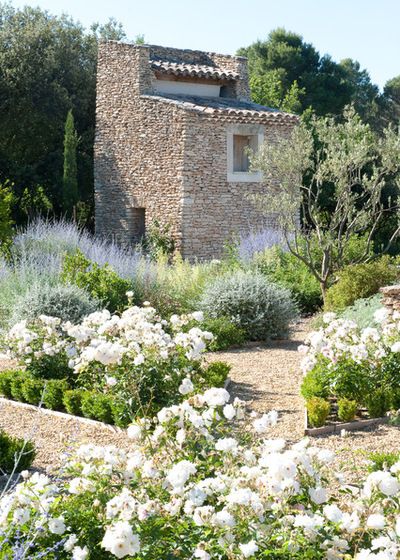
<point x="15" y="453"/>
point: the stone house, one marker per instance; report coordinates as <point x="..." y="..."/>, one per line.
<point x="173" y="129"/>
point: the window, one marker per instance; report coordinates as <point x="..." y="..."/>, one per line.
<point x="242" y="141"/>
<point x="242" y="145"/>
<point x="138" y="224"/>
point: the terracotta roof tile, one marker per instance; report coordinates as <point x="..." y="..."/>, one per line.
<point x="193" y="70"/>
<point x="222" y="106"/>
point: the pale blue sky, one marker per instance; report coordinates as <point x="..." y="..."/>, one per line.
<point x="365" y="30"/>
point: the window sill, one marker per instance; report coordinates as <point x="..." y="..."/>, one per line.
<point x="244" y="177"/>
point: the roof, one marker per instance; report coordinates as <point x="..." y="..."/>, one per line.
<point x="193" y="70"/>
<point x="224" y="106"/>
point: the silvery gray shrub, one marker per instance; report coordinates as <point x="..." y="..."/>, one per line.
<point x="67" y="302"/>
<point x="263" y="309"/>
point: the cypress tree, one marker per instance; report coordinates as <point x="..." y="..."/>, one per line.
<point x="70" y="178"/>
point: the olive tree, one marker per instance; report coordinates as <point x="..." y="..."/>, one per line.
<point x="343" y="161"/>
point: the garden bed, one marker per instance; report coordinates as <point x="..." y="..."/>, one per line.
<point x="336" y="427"/>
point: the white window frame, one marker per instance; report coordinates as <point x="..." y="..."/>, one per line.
<point x="242" y="130"/>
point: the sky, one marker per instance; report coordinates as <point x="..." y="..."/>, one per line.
<point x="365" y="30"/>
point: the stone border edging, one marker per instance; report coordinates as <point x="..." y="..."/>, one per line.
<point x="65" y="415"/>
<point x="339" y="426"/>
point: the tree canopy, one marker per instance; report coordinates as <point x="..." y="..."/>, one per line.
<point x="355" y="164"/>
<point x="290" y="74"/>
<point x="47" y="68"/>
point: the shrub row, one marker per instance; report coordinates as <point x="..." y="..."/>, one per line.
<point x="15" y="453"/>
<point x="56" y="394"/>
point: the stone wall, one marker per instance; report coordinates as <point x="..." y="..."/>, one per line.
<point x="138" y="147"/>
<point x="391" y="298"/>
<point x="215" y="210"/>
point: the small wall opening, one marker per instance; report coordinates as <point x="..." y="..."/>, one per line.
<point x="138" y="224"/>
<point x="241" y="146"/>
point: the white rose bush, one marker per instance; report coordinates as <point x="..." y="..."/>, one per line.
<point x="144" y="361"/>
<point x="363" y="365"/>
<point x="201" y="480"/>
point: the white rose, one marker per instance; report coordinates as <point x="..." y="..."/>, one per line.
<point x="248" y="549"/>
<point x="134" y="431"/>
<point x="186" y="386"/>
<point x="57" y="525"/>
<point x="229" y="411"/>
<point x="376" y="521"/>
<point x="80" y="553"/>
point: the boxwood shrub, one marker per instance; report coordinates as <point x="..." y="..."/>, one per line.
<point x="15" y="452"/>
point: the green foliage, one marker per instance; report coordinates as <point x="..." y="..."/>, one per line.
<point x="6" y="222"/>
<point x="347" y="410"/>
<point x="351" y="381"/>
<point x="35" y="202"/>
<point x="15" y="453"/>
<point x="362" y="311"/>
<point x="17" y="385"/>
<point x="101" y="282"/>
<point x="97" y="406"/>
<point x="226" y="333"/>
<point x="216" y="373"/>
<point x="335" y="172"/>
<point x="382" y="460"/>
<point x="72" y="401"/>
<point x="53" y="394"/>
<point x="121" y="412"/>
<point x="378" y="402"/>
<point x="6" y="378"/>
<point x="32" y="390"/>
<point x="315" y="383"/>
<point x="48" y="66"/>
<point x="262" y="309"/>
<point x="174" y="287"/>
<point x="285" y="269"/>
<point x="68" y="302"/>
<point x="268" y="89"/>
<point x="318" y="411"/>
<point x="285" y="67"/>
<point x="360" y="281"/>
<point x="159" y="240"/>
<point x="70" y="194"/>
<point x="50" y="367"/>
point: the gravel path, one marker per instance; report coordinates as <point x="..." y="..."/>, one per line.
<point x="267" y="375"/>
<point x="53" y="434"/>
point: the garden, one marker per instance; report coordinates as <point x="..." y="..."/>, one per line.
<point x="154" y="408"/>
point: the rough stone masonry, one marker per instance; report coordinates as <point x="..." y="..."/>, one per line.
<point x="172" y="131"/>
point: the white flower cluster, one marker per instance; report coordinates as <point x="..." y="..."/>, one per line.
<point x="196" y="480"/>
<point x="341" y="338"/>
<point x="133" y="337"/>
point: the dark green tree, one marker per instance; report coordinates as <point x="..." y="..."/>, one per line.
<point x="70" y="193"/>
<point x="47" y="66"/>
<point x="288" y="73"/>
<point x="390" y="102"/>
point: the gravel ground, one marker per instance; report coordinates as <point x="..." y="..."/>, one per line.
<point x="53" y="434"/>
<point x="267" y="375"/>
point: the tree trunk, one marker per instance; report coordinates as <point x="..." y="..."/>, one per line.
<point x="324" y="288"/>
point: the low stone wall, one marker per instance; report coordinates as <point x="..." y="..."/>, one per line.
<point x="391" y="297"/>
